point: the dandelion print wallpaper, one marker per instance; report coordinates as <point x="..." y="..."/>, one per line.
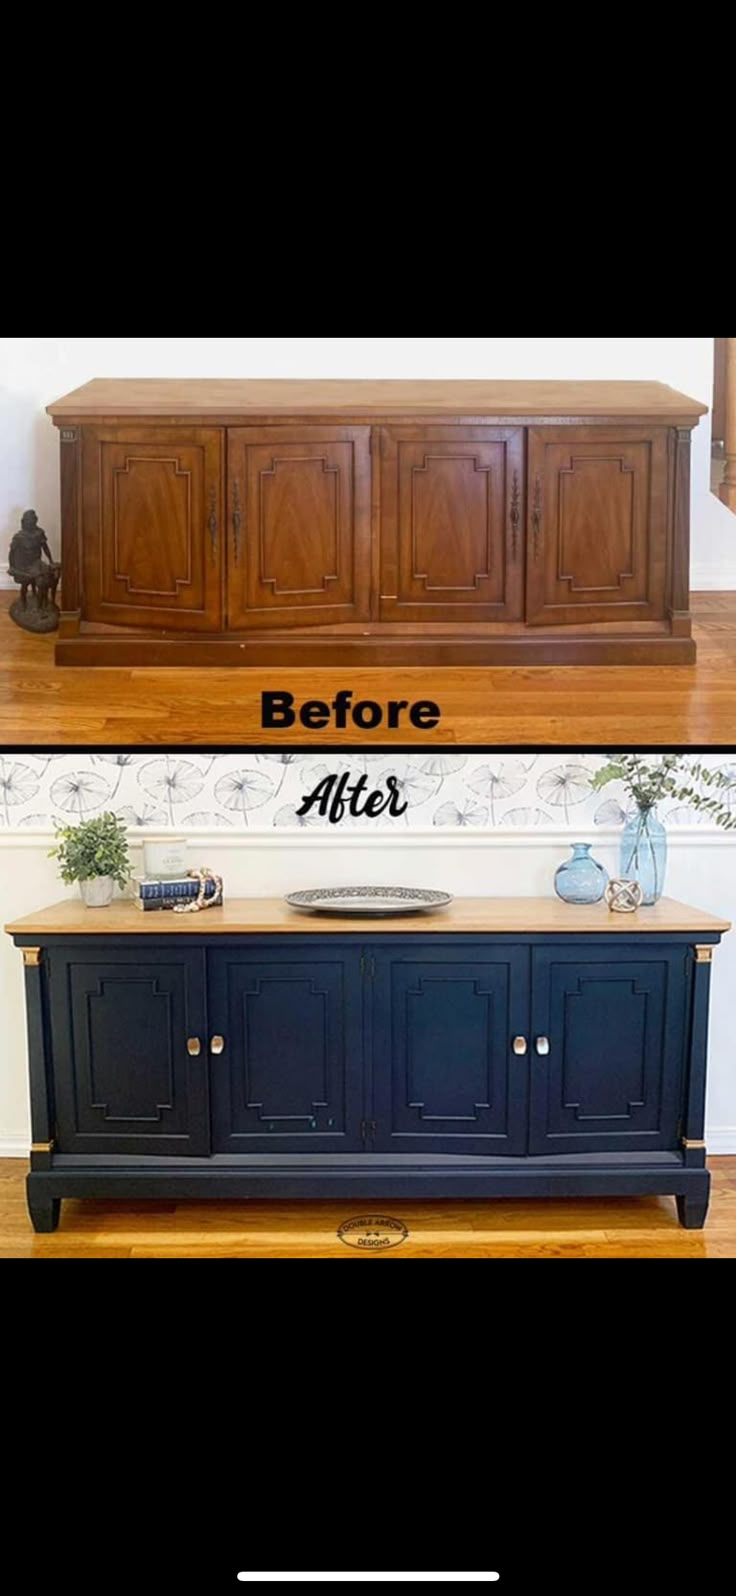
<point x="190" y="791"/>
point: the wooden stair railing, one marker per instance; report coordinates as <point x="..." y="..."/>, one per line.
<point x="728" y="485"/>
<point x="724" y="418"/>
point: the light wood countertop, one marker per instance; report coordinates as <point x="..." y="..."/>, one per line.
<point x="175" y="397"/>
<point x="72" y="918"/>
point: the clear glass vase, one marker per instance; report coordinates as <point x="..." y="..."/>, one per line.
<point x="644" y="853"/>
<point x="581" y="879"/>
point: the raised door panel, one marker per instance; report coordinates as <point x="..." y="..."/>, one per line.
<point x="452" y="524"/>
<point x="598" y="526"/>
<point x="300" y="526"/>
<point x="153" y="526"/>
<point x="615" y="1022"/>
<point x="445" y="1076"/>
<point x="290" y="1076"/>
<point x="124" y="1079"/>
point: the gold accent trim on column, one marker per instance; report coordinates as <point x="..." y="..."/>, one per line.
<point x="704" y="955"/>
<point x="42" y="1147"/>
<point x="31" y="955"/>
<point x="693" y="1147"/>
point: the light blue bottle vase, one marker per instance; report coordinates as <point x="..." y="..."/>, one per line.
<point x="644" y="853"/>
<point x="581" y="879"/>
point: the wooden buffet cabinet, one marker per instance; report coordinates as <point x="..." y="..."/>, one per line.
<point x="499" y="1048"/>
<point x="388" y="523"/>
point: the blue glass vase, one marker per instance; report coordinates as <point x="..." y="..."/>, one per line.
<point x="581" y="879"/>
<point x="644" y="853"/>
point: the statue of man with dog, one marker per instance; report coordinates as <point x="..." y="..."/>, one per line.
<point x="33" y="567"/>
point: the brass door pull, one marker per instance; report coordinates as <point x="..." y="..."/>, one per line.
<point x="543" y="1047"/>
<point x="520" y="1046"/>
<point x="194" y="1046"/>
<point x="217" y="1044"/>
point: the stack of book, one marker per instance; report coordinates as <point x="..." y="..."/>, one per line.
<point x="150" y="893"/>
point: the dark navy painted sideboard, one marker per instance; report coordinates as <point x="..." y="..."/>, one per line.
<point x="198" y="1060"/>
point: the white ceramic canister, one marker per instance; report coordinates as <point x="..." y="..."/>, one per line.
<point x="165" y="858"/>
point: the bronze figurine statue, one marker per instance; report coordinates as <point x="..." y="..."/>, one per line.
<point x="29" y="568"/>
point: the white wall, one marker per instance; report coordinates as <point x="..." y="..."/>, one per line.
<point x="34" y="371"/>
<point x="702" y="871"/>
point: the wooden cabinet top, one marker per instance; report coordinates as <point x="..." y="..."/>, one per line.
<point x="264" y="397"/>
<point x="248" y="915"/>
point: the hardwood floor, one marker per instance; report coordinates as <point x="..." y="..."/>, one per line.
<point x="657" y="705"/>
<point x="635" y="1227"/>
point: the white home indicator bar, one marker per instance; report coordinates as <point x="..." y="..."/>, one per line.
<point x="446" y="1578"/>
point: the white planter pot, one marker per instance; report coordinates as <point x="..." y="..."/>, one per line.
<point x="97" y="891"/>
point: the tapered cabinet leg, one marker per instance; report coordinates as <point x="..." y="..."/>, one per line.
<point x="44" y="1211"/>
<point x="692" y="1212"/>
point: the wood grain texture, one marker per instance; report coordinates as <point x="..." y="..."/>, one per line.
<point x="452" y="532"/>
<point x="70" y="466"/>
<point x="302" y="549"/>
<point x="154" y="497"/>
<point x="643" y="1227"/>
<point x="728" y="486"/>
<point x="599" y="525"/>
<point x="720" y="387"/>
<point x="231" y="396"/>
<point x="367" y="647"/>
<point x="518" y="705"/>
<point x="602" y="576"/>
<point x="72" y="917"/>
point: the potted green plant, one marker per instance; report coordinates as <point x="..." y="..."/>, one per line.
<point x="94" y="853"/>
<point x="649" y="782"/>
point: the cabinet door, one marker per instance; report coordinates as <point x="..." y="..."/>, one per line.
<point x="598" y="517"/>
<point x="123" y="1077"/>
<point x="290" y="1076"/>
<point x="153" y="525"/>
<point x="299" y="517"/>
<point x="452" y="524"/>
<point x="615" y="1022"/>
<point x="445" y="1076"/>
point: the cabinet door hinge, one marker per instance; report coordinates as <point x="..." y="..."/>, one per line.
<point x="368" y="1129"/>
<point x="368" y="966"/>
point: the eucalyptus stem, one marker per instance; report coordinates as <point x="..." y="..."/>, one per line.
<point x="676" y="778"/>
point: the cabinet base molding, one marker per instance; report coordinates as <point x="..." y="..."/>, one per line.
<point x="89" y="648"/>
<point x="373" y="1177"/>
